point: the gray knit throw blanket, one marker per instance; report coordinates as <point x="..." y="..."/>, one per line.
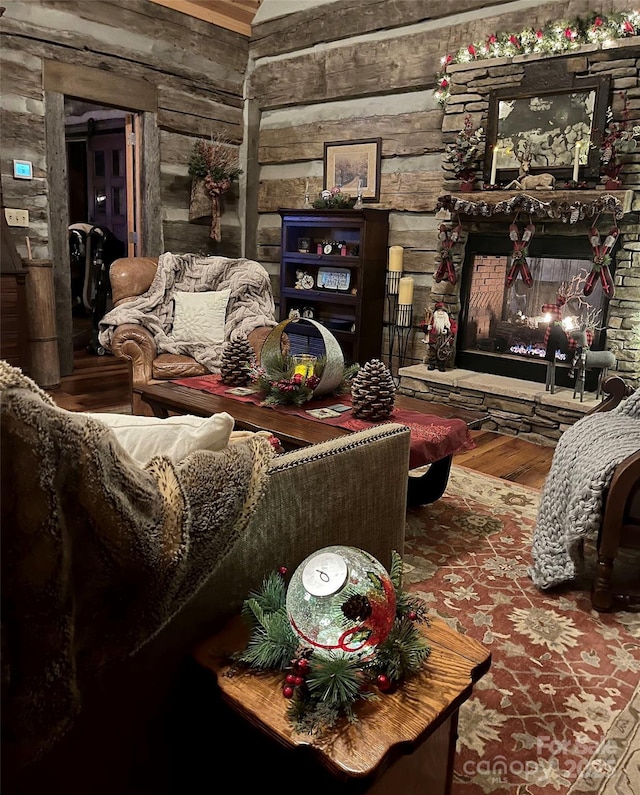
<point x="251" y="303"/>
<point x="571" y="501"/>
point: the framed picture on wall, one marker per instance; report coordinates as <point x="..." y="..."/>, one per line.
<point x="351" y="165"/>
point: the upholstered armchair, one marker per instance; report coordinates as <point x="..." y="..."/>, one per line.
<point x="142" y="326"/>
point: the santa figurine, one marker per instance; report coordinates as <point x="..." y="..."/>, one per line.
<point x="439" y="333"/>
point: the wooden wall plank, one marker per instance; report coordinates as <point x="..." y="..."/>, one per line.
<point x="192" y="102"/>
<point x="94" y="84"/>
<point x="324" y="75"/>
<point x="163" y="56"/>
<point x="402" y="134"/>
<point x="410" y="191"/>
<point x="182" y="237"/>
<point x="18" y="76"/>
<point x="314" y="26"/>
<point x="150" y="180"/>
<point x="58" y="228"/>
<point x="161" y="25"/>
<point x="197" y="126"/>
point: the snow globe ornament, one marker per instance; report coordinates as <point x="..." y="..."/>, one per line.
<point x="341" y="599"/>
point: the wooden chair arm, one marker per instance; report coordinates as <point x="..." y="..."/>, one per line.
<point x="616" y="390"/>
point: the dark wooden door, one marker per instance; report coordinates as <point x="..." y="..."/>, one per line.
<point x="106" y="172"/>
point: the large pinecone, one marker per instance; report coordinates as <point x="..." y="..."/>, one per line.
<point x="373" y="392"/>
<point x="237" y="358"/>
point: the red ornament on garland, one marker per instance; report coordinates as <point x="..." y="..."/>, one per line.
<point x="282" y="571"/>
<point x="287" y="691"/>
<point x="384" y="683"/>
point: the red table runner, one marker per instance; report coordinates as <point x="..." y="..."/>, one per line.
<point x="432" y="438"/>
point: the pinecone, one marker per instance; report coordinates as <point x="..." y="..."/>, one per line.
<point x="373" y="392"/>
<point x="357" y="608"/>
<point x="237" y="358"/>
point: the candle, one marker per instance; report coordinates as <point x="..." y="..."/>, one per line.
<point x="396" y="254"/>
<point x="405" y="293"/>
<point x="304" y="365"/>
<point x="494" y="166"/>
<point x="576" y="161"/>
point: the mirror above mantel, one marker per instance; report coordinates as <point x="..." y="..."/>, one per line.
<point x="568" y="206"/>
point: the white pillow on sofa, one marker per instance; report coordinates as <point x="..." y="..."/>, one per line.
<point x="175" y="437"/>
<point x="199" y="317"/>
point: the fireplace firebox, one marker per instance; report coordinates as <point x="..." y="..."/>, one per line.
<point x="503" y="328"/>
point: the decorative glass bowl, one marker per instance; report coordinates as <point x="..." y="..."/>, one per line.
<point x="341" y="599"/>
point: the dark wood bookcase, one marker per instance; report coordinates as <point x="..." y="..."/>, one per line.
<point x="340" y="256"/>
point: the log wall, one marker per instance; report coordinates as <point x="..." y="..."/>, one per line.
<point x="196" y="68"/>
<point x="363" y="69"/>
<point x="193" y="70"/>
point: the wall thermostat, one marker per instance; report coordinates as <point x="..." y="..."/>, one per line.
<point x="22" y="169"/>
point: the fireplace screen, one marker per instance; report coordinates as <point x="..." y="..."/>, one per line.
<point x="509" y="322"/>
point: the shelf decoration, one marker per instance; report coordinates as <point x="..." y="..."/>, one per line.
<point x="465" y="153"/>
<point x="376" y="622"/>
<point x="555" y="209"/>
<point x="213" y="166"/>
<point x="551" y="39"/>
<point x="334" y="199"/>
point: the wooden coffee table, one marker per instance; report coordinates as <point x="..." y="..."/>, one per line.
<point x="165" y="398"/>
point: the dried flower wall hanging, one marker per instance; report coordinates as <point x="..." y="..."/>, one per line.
<point x="213" y="166"/>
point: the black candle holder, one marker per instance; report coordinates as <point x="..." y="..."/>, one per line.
<point x="393" y="287"/>
<point x="399" y="335"/>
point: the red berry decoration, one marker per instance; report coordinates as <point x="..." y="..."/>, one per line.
<point x="412" y="615"/>
<point x="287" y="691"/>
<point x="299" y="680"/>
<point x="384" y="683"/>
<point x="302" y="665"/>
<point x="291" y="679"/>
<point x="283" y="571"/>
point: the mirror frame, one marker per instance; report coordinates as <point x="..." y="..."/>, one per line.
<point x="542" y="79"/>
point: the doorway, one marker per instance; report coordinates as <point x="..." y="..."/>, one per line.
<point x="107" y="91"/>
<point x="100" y="188"/>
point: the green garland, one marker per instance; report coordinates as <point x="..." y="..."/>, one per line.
<point x="282" y="385"/>
<point x="322" y="686"/>
<point x="553" y="38"/>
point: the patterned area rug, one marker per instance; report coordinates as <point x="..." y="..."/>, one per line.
<point x="559" y="709"/>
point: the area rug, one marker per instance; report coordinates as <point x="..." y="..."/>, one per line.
<point x="560" y="707"/>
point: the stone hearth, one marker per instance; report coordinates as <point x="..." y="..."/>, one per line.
<point x="516" y="408"/>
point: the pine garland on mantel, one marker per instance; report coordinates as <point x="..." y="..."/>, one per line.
<point x="565" y="211"/>
<point x="554" y="38"/>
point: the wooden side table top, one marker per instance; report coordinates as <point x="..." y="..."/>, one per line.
<point x="395" y="724"/>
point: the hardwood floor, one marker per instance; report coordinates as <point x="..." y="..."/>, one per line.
<point x="101" y="383"/>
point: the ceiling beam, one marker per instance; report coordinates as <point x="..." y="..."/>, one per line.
<point x="236" y="15"/>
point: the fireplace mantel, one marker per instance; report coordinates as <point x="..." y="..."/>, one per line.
<point x="568" y="206"/>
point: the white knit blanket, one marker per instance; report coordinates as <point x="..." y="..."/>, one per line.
<point x="571" y="500"/>
<point x="251" y="303"/>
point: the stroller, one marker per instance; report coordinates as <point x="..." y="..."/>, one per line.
<point x="92" y="249"/>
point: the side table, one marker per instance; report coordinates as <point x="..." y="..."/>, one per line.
<point x="403" y="743"/>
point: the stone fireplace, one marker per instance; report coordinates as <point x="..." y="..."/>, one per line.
<point x="499" y="357"/>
